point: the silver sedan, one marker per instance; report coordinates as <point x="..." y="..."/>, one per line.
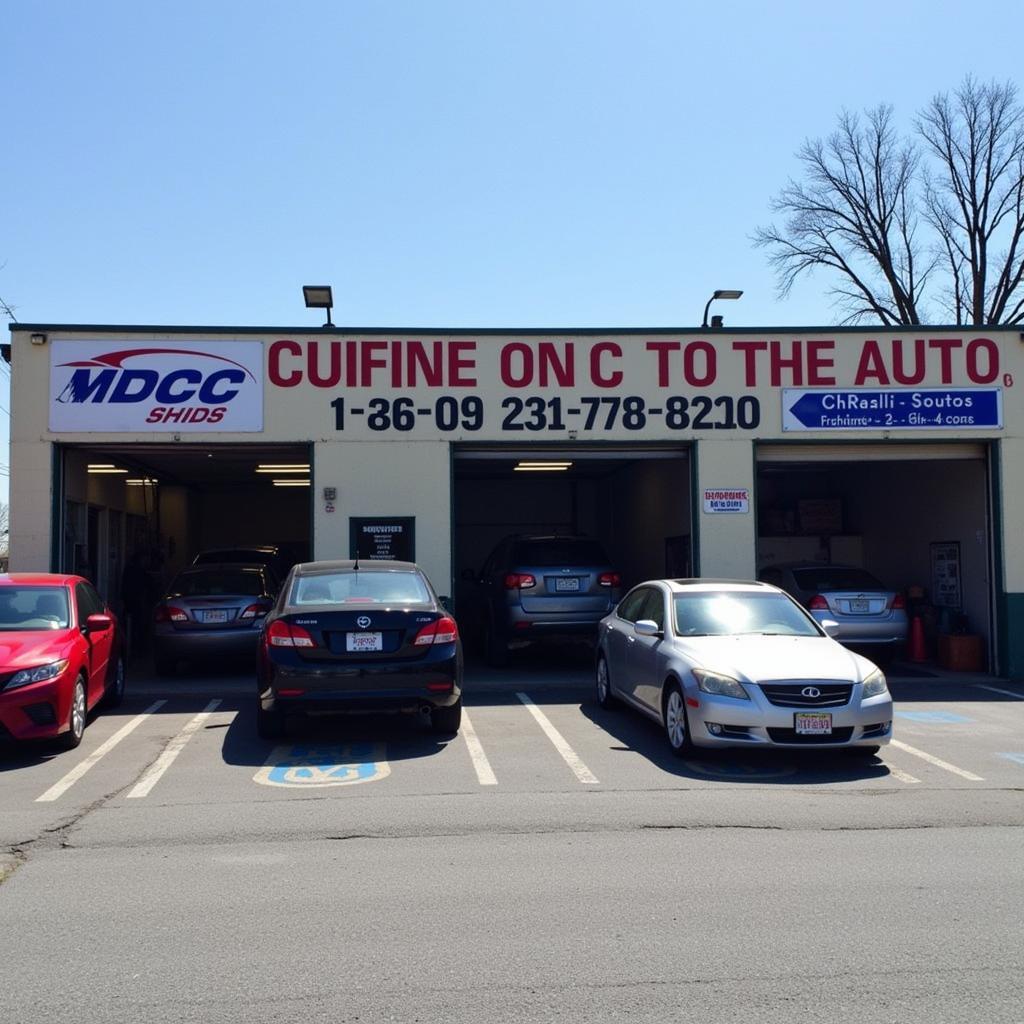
<point x="735" y="664"/>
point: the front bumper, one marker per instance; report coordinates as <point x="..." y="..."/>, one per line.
<point x="39" y="711"/>
<point x="758" y="723"/>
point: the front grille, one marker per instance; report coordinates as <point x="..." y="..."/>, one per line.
<point x="792" y="736"/>
<point x="790" y="695"/>
<point x="41" y="714"/>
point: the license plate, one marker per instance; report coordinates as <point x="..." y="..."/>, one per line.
<point x="570" y="583"/>
<point x="860" y="605"/>
<point x="813" y="723"/>
<point x="218" y="615"/>
<point x="364" y="642"/>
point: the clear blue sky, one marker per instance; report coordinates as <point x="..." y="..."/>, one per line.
<point x="535" y="164"/>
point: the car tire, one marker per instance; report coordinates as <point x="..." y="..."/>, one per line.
<point x="269" y="724"/>
<point x="495" y="647"/>
<point x="447" y="720"/>
<point x="115" y="691"/>
<point x="603" y="683"/>
<point x="76" y="717"/>
<point x="677" y="725"/>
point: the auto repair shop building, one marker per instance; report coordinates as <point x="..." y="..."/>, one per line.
<point x="686" y="452"/>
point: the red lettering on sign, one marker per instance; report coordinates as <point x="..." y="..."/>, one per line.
<point x="277" y="350"/>
<point x="991" y="354"/>
<point x="819" y="359"/>
<point x="750" y="350"/>
<point x="945" y="347"/>
<point x="460" y="362"/>
<point x="662" y="348"/>
<point x="598" y="376"/>
<point x="871" y="365"/>
<point x="330" y="379"/>
<point x="899" y="371"/>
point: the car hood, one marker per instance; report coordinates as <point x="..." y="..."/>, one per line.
<point x="761" y="658"/>
<point x="30" y="648"/>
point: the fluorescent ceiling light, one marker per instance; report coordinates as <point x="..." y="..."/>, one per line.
<point x="282" y="469"/>
<point x="545" y="464"/>
<point x="106" y="469"/>
<point x="539" y="469"/>
<point x="290" y="483"/>
<point x="139" y="482"/>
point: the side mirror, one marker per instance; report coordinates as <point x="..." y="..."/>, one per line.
<point x="831" y="627"/>
<point x="646" y="627"/>
<point x="98" y="623"/>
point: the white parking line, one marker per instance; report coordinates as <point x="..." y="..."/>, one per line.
<point x="153" y="773"/>
<point x="1005" y="693"/>
<point x="484" y="774"/>
<point x="901" y="776"/>
<point x="58" y="788"/>
<point x="571" y="758"/>
<point x="938" y="762"/>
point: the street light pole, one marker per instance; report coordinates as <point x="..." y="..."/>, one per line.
<point x="720" y="293"/>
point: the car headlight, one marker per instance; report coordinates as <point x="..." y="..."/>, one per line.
<point x="874" y="685"/>
<point x="37" y="675"/>
<point x="715" y="682"/>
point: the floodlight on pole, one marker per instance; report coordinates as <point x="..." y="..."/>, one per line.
<point x="720" y="293"/>
<point x="318" y="296"/>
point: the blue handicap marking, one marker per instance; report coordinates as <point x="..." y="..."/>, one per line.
<point x="1016" y="758"/>
<point x="311" y="765"/>
<point x="944" y="717"/>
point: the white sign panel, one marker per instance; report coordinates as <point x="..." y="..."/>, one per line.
<point x="726" y="499"/>
<point x="118" y="387"/>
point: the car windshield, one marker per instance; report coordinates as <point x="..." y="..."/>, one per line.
<point x="210" y="583"/>
<point x="555" y="551"/>
<point x="33" y="608"/>
<point x="255" y="555"/>
<point x="835" y="577"/>
<point x="727" y="613"/>
<point x="362" y="586"/>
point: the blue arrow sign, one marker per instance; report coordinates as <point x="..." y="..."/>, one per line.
<point x="892" y="408"/>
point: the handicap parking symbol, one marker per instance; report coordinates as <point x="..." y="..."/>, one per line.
<point x="318" y="765"/>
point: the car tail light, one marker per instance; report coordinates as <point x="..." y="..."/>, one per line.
<point x="520" y="581"/>
<point x="255" y="611"/>
<point x="287" y="634"/>
<point x="169" y="613"/>
<point x="290" y="692"/>
<point x="443" y="631"/>
<point x="609" y="579"/>
<point x="818" y="603"/>
<point x="898" y="601"/>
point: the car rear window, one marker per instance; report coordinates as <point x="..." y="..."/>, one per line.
<point x="33" y="608"/>
<point x="362" y="586"/>
<point x="557" y="552"/>
<point x="247" y="583"/>
<point x="835" y="577"/>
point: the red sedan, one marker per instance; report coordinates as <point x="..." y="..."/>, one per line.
<point x="61" y="653"/>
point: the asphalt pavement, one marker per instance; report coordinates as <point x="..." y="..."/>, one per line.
<point x="551" y="862"/>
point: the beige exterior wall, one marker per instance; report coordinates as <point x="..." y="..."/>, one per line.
<point x="517" y="381"/>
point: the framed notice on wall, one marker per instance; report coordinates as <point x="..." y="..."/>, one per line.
<point x="387" y="538"/>
<point x="946" y="574"/>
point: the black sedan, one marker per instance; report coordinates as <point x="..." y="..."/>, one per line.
<point x="359" y="636"/>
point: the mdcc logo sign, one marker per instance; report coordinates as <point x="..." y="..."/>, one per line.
<point x="118" y="387"/>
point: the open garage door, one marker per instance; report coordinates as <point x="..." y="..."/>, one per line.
<point x="633" y="503"/>
<point x="167" y="502"/>
<point x="915" y="516"/>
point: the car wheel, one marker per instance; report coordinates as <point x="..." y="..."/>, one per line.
<point x="677" y="728"/>
<point x="604" y="685"/>
<point x="76" y="717"/>
<point x="269" y="724"/>
<point x="115" y="691"/>
<point x="447" y="720"/>
<point x="495" y="647"/>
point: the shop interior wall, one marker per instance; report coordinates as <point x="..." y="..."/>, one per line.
<point x="487" y="509"/>
<point x="649" y="505"/>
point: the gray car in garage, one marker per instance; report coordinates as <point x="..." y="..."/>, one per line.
<point x="869" y="614"/>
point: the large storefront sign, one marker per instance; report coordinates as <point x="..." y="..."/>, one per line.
<point x="124" y="386"/>
<point x="620" y="387"/>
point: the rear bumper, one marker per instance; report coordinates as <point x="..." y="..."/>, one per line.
<point x="221" y="643"/>
<point x="386" y="687"/>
